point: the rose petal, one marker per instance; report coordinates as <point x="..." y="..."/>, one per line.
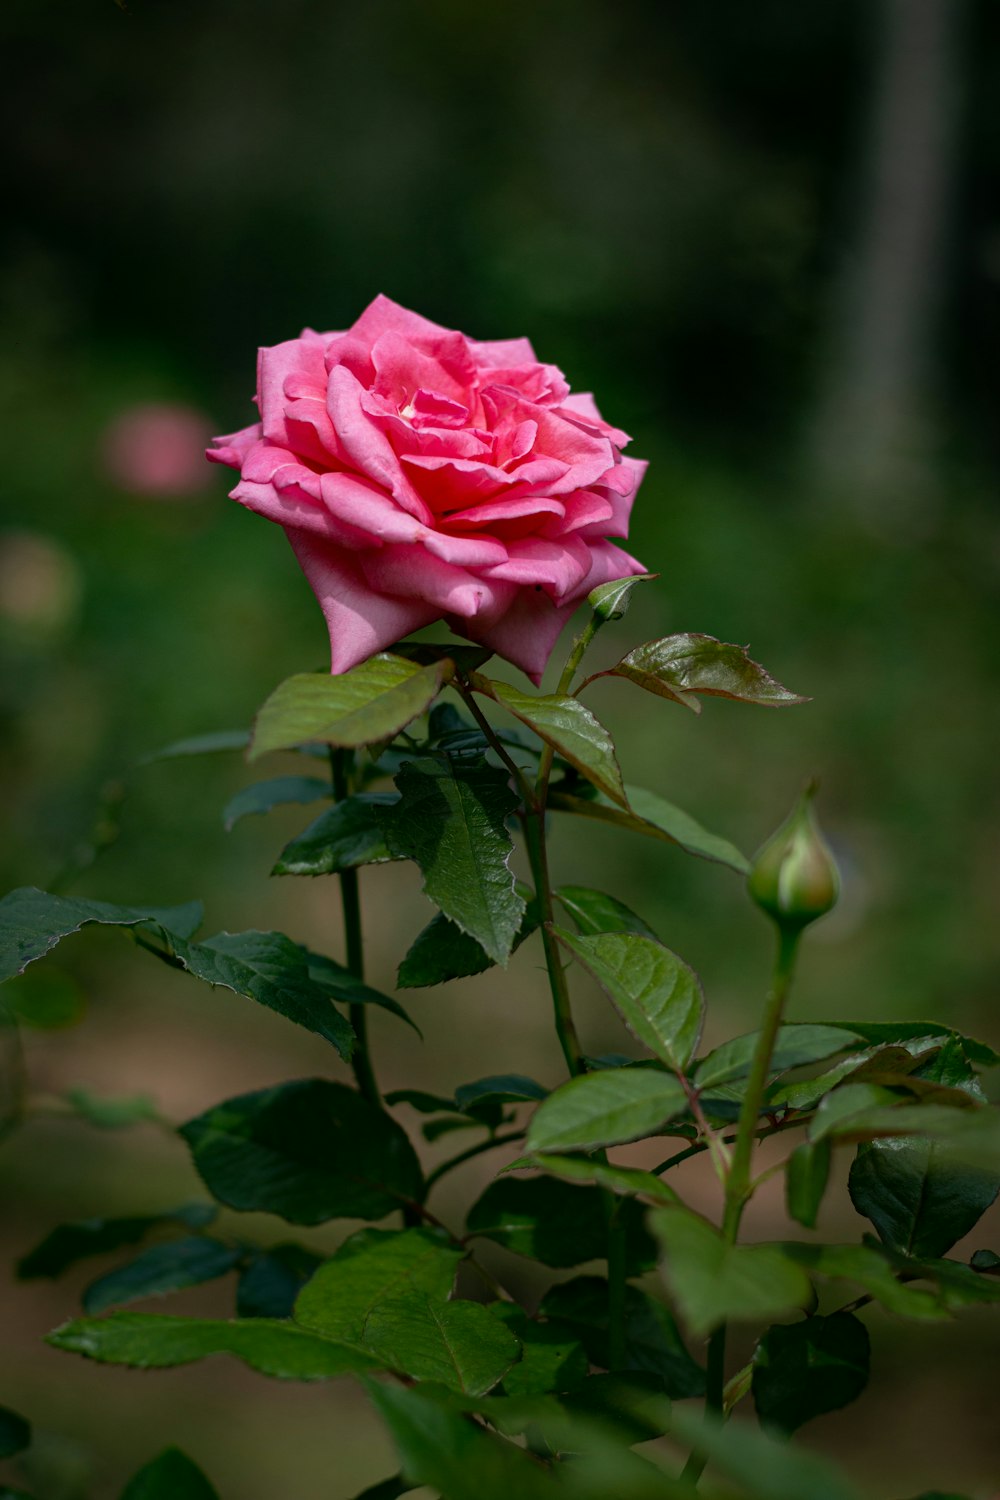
<point x="525" y="634"/>
<point x="558" y="567"/>
<point x="413" y="572"/>
<point x="401" y="369"/>
<point x="232" y="449"/>
<point x="360" y="622"/>
<point x="507" y="508"/>
<point x="296" y="360"/>
<point x="385" y="316"/>
<point x="368" y="448"/>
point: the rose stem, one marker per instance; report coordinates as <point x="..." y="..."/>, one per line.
<point x="350" y="901"/>
<point x="738" y="1178"/>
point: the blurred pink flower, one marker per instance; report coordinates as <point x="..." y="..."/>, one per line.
<point x="424" y="475"/>
<point x="156" y="449"/>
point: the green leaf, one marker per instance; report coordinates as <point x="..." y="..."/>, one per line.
<point x="851" y="1101"/>
<point x="593" y="912"/>
<point x="154" y="1341"/>
<point x="610" y="601"/>
<point x="605" y="1109"/>
<point x="309" y="1151"/>
<point x="262" y="796"/>
<point x="763" y="1468"/>
<point x="919" y="1197"/>
<point x="420" y="1100"/>
<point x="568" y="726"/>
<point x="373" y="1266"/>
<point x="200" y="744"/>
<point x="15" y="1432"/>
<point x="68" y="1243"/>
<point x="713" y="1282"/>
<point x="273" y="1280"/>
<point x="443" y="952"/>
<point x="653" y="1345"/>
<point x="372" y="702"/>
<point x="806" y="1369"/>
<point x="882" y="1066"/>
<point x="32" y="923"/>
<point x="426" y="653"/>
<point x="558" y="1223"/>
<point x="658" y="997"/>
<point x="456" y="1344"/>
<point x="387" y="1489"/>
<point x="112" y="1114"/>
<point x="604" y="1174"/>
<point x="656" y="818"/>
<point x="883" y="1032"/>
<point x="870" y="1270"/>
<point x="347" y="989"/>
<point x="452" y="1455"/>
<point x="985" y="1260"/>
<point x="451" y="819"/>
<point x="269" y="968"/>
<point x="956" y="1286"/>
<point x="46" y="999"/>
<point x="797" y="1044"/>
<point x="162" y="1268"/>
<point x="342" y="838"/>
<point x="499" y="1088"/>
<point x="679" y="666"/>
<point x="552" y="1358"/>
<point x="171" y="1476"/>
<point x="807" y="1172"/>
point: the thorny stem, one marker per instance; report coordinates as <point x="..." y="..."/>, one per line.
<point x="464" y="1156"/>
<point x="738" y="1180"/>
<point x="350" y="901"/>
<point x="569" y="1041"/>
<point x="522" y="782"/>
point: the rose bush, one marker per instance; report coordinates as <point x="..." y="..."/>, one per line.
<point x="424" y="475"/>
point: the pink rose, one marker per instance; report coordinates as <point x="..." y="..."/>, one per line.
<point x="423" y="475"/>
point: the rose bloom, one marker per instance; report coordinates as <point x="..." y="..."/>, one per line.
<point x="424" y="475"/>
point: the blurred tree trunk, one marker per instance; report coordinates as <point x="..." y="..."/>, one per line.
<point x="873" y="431"/>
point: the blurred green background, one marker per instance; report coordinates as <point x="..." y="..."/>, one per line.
<point x="767" y="237"/>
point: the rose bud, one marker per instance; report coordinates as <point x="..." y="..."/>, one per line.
<point x="794" y="876"/>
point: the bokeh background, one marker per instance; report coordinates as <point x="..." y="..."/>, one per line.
<point x="767" y="236"/>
